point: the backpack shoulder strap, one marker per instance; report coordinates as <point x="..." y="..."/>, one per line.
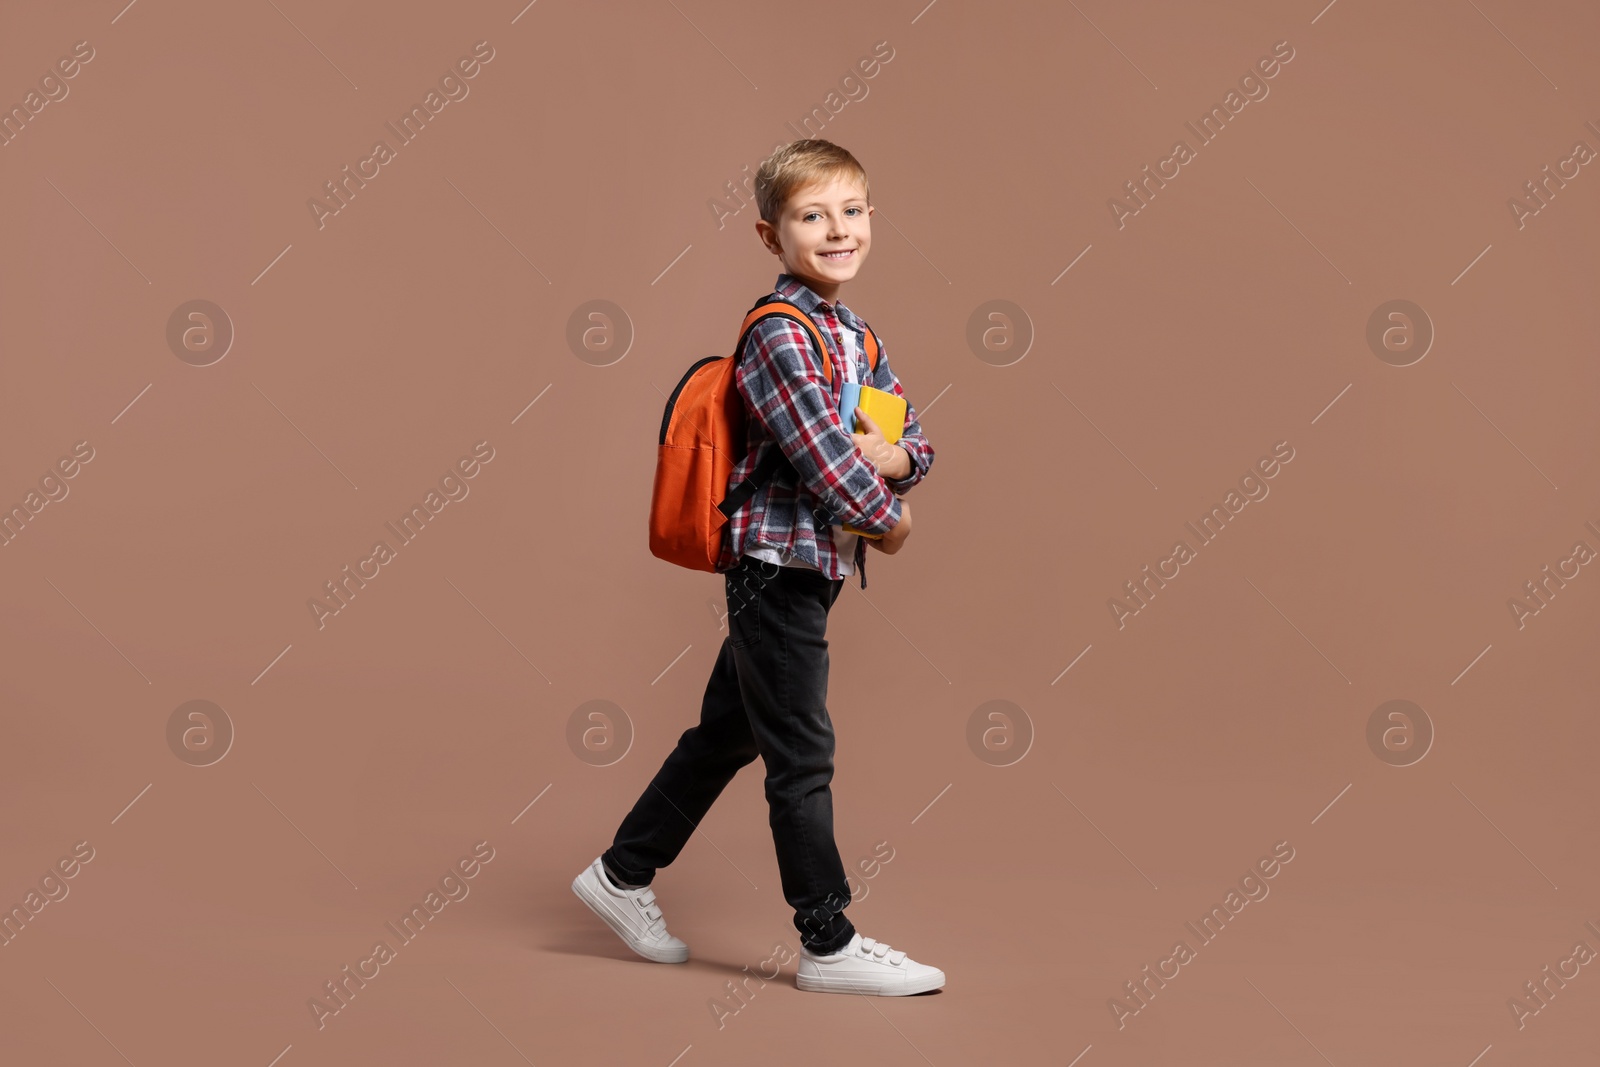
<point x="774" y="306"/>
<point x="760" y="476"/>
<point x="872" y="345"/>
<point x="767" y="307"/>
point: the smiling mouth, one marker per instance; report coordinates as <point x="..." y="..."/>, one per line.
<point x="839" y="256"/>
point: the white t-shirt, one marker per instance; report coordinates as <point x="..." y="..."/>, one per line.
<point x="844" y="543"/>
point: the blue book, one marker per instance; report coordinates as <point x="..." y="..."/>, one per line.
<point x="849" y="397"/>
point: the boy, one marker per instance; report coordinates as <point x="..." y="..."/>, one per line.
<point x="785" y="559"/>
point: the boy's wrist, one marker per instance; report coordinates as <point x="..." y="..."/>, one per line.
<point x="908" y="463"/>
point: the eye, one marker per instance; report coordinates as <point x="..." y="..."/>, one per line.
<point x="809" y="214"/>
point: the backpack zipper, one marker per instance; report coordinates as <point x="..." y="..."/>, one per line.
<point x="666" y="416"/>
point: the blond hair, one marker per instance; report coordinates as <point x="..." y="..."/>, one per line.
<point x="799" y="164"/>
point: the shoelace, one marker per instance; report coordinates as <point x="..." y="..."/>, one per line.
<point x="877" y="950"/>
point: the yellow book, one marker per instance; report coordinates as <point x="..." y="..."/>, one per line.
<point x="884" y="408"/>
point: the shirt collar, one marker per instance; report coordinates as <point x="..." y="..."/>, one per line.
<point x="803" y="297"/>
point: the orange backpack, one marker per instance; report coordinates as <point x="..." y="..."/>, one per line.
<point x="703" y="436"/>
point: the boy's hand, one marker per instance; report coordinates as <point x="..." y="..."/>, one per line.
<point x="890" y="542"/>
<point x="888" y="460"/>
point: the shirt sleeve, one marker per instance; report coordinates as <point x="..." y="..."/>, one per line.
<point x="912" y="439"/>
<point x="783" y="388"/>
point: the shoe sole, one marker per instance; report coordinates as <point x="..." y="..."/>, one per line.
<point x="839" y="984"/>
<point x="654" y="955"/>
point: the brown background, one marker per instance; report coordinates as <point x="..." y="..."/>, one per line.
<point x="1227" y="716"/>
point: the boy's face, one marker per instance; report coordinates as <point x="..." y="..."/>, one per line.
<point x="823" y="234"/>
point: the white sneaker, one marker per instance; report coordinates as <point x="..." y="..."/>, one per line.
<point x="866" y="966"/>
<point x="632" y="913"/>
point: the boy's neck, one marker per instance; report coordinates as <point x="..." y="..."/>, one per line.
<point x="828" y="291"/>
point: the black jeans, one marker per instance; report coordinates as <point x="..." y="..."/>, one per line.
<point x="767" y="696"/>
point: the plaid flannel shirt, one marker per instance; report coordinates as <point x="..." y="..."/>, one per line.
<point x="791" y="406"/>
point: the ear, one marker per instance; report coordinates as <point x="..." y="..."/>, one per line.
<point x="769" y="236"/>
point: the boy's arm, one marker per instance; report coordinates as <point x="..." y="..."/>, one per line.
<point x="783" y="387"/>
<point x="912" y="438"/>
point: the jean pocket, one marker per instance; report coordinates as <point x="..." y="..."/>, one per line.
<point x="744" y="585"/>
